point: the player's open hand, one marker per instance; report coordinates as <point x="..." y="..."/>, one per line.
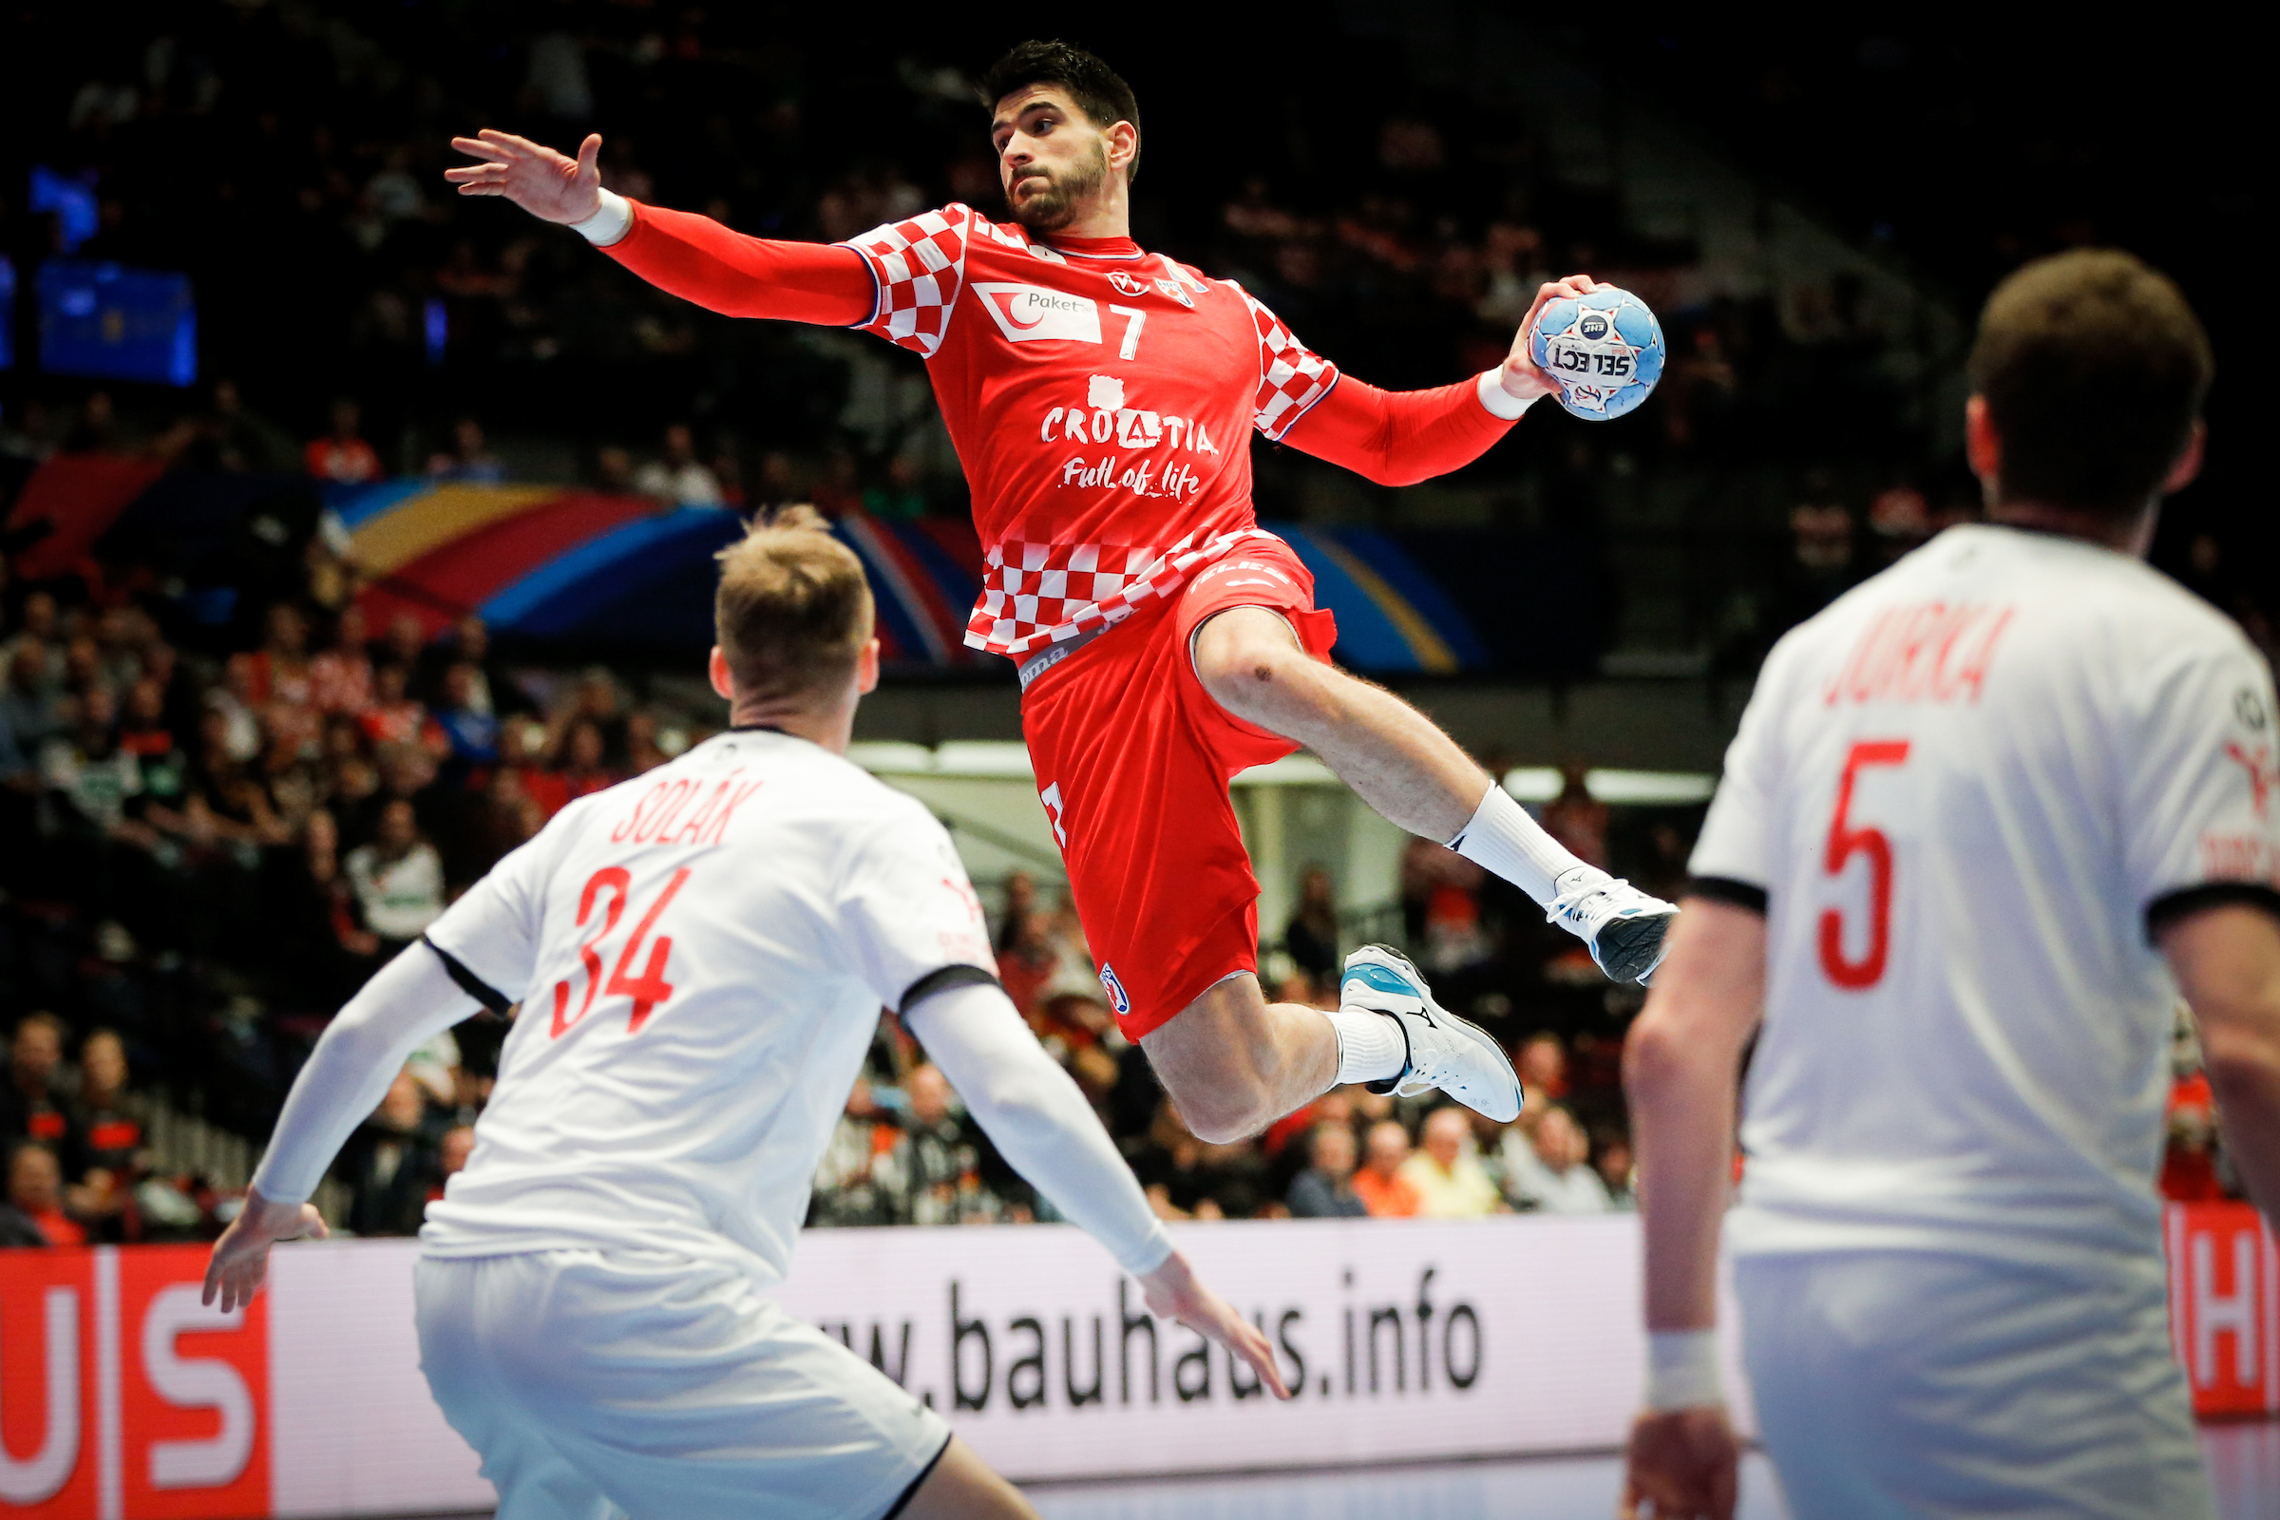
<point x="532" y="175"/>
<point x="1682" y="1466"/>
<point x="1521" y="378"/>
<point x="1173" y="1291"/>
<point x="240" y="1262"/>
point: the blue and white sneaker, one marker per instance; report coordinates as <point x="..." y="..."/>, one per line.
<point x="1623" y="926"/>
<point x="1447" y="1053"/>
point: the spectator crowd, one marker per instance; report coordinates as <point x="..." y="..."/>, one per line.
<point x="203" y="855"/>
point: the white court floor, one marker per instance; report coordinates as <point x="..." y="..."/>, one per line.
<point x="2244" y="1461"/>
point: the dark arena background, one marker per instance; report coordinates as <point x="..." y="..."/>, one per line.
<point x="352" y="528"/>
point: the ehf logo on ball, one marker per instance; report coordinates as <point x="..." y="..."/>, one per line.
<point x="1604" y="351"/>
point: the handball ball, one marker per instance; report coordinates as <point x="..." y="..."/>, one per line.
<point x="1604" y="350"/>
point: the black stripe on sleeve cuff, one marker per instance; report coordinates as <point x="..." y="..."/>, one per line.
<point x="1725" y="889"/>
<point x="943" y="980"/>
<point x="2167" y="910"/>
<point x="471" y="984"/>
<point x="895" y="1510"/>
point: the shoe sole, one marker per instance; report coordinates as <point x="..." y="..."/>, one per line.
<point x="1481" y="1036"/>
<point x="1472" y="1031"/>
<point x="1631" y="948"/>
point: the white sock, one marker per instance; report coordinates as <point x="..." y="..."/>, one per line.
<point x="1502" y="838"/>
<point x="1370" y="1048"/>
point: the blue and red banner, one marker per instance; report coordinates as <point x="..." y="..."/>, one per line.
<point x="545" y="563"/>
<point x="542" y="562"/>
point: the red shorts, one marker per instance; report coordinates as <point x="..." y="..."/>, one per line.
<point x="1133" y="758"/>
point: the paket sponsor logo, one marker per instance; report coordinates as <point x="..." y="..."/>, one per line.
<point x="1031" y="313"/>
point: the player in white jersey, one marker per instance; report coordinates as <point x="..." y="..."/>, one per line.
<point x="1985" y="817"/>
<point x="700" y="956"/>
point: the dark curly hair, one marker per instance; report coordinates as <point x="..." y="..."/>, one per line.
<point x="1098" y="90"/>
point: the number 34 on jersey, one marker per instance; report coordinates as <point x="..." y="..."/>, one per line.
<point x="610" y="889"/>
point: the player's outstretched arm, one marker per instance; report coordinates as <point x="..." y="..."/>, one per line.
<point x="693" y="257"/>
<point x="2227" y="960"/>
<point x="407" y="1002"/>
<point x="1398" y="438"/>
<point x="1679" y="1070"/>
<point x="535" y="177"/>
<point x="1035" y="1115"/>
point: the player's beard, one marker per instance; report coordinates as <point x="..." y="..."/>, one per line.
<point x="1065" y="193"/>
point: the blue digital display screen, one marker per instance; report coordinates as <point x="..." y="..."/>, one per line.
<point x="115" y="323"/>
<point x="7" y="313"/>
<point x="72" y="198"/>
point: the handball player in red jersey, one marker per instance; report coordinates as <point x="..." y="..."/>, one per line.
<point x="1099" y="396"/>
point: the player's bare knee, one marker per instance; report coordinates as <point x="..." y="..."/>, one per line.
<point x="1652" y="1054"/>
<point x="1227" y="1118"/>
<point x="1228" y="1107"/>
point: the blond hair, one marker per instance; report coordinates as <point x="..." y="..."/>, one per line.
<point x="793" y="611"/>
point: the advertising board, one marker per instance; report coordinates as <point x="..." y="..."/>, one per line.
<point x="123" y="1398"/>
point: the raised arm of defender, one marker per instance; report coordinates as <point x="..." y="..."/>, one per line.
<point x="1034" y="1113"/>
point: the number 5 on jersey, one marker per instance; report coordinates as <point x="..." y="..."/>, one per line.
<point x="649" y="989"/>
<point x="1846" y="840"/>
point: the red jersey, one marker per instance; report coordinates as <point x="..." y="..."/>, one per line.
<point x="351" y="463"/>
<point x="1098" y="395"/>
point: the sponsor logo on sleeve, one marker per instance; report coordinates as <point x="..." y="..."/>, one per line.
<point x="2262" y="774"/>
<point x="964" y="933"/>
<point x="1031" y="313"/>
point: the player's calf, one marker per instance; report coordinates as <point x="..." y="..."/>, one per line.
<point x="1234" y="1063"/>
<point x="1415" y="776"/>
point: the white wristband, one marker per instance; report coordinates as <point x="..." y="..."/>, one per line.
<point x="1499" y="401"/>
<point x="1682" y="1370"/>
<point x="609" y="224"/>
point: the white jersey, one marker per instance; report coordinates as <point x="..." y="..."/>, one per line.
<point x="701" y="955"/>
<point x="1963" y="791"/>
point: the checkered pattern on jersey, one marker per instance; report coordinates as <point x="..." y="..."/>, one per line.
<point x="1292" y="377"/>
<point x="1039" y="594"/>
<point x="919" y="265"/>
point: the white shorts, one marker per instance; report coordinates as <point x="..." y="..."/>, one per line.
<point x="1898" y="1383"/>
<point x="646" y="1384"/>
